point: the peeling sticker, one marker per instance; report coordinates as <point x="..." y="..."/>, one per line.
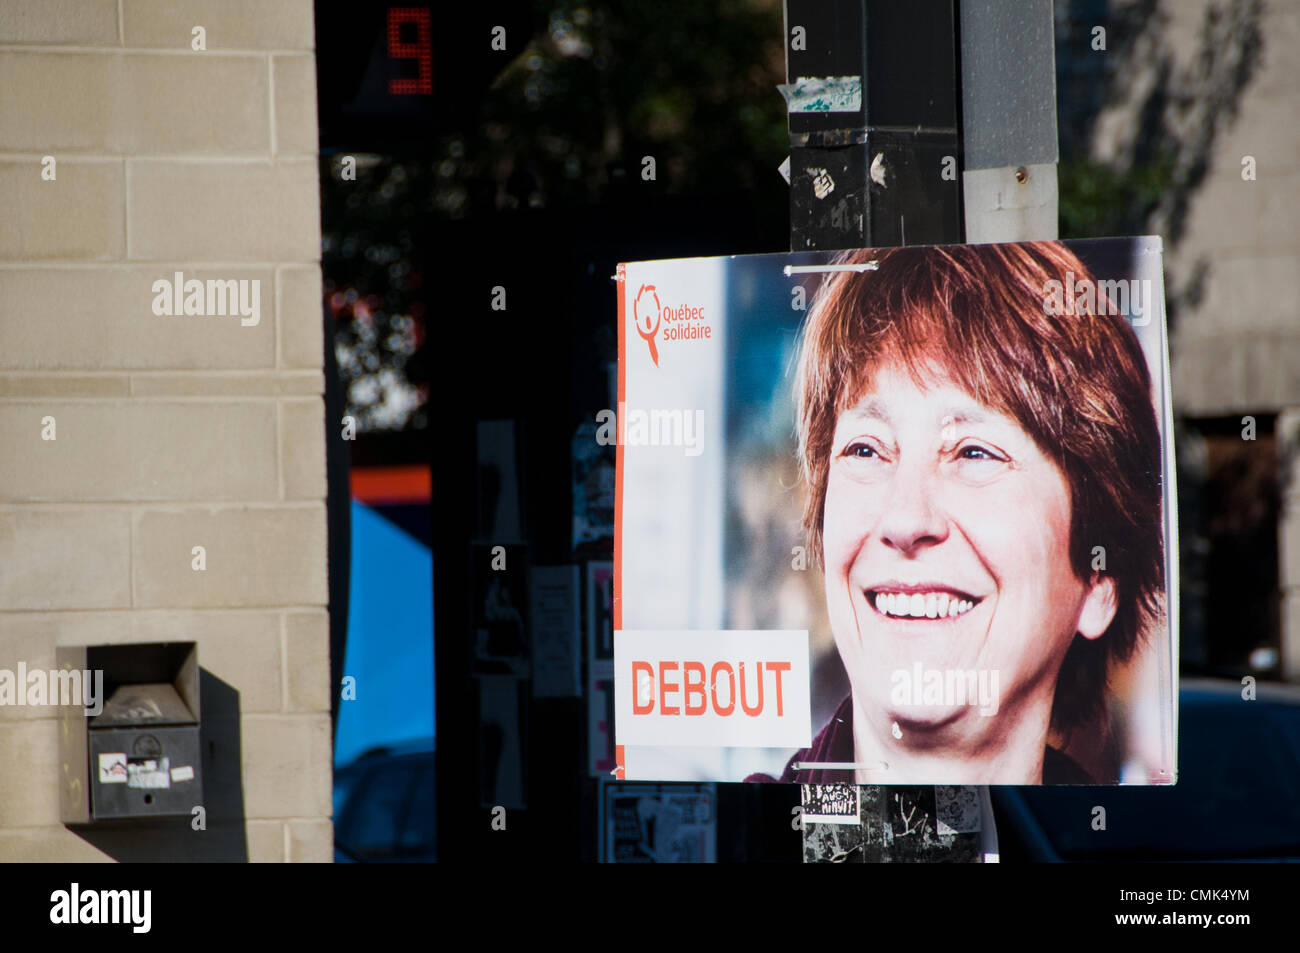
<point x="112" y="768"/>
<point x="823" y="184"/>
<point x="148" y="773"/>
<point x="831" y="804"/>
<point x="184" y="773"/>
<point x="878" y="170"/>
<point x="827" y="94"/>
<point x="784" y="169"/>
<point x="956" y="809"/>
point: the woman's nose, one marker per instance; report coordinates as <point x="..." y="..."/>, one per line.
<point x="912" y="518"/>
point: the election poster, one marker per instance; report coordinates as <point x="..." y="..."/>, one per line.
<point x="898" y="516"/>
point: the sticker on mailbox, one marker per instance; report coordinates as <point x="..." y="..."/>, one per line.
<point x="148" y="773"/>
<point x="184" y="773"/>
<point x="112" y="768"/>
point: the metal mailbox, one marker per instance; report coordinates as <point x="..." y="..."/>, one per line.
<point x="140" y="756"/>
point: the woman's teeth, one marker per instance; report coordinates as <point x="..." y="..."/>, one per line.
<point x="921" y="605"/>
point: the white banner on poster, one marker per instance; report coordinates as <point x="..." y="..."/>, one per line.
<point x="735" y="689"/>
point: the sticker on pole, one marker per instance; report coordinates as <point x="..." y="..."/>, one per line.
<point x="823" y="94"/>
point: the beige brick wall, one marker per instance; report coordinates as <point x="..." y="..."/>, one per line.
<point x="1237" y="350"/>
<point x="170" y="431"/>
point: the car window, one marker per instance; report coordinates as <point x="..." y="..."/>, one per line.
<point x="418" y="832"/>
<point x="373" y="826"/>
<point x="344" y="783"/>
<point x="1235" y="796"/>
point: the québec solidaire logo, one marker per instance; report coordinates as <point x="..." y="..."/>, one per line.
<point x="684" y="323"/>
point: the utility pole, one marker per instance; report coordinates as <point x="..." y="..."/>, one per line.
<point x="921" y="123"/>
<point x="874" y="107"/>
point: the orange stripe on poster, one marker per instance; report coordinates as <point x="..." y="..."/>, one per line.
<point x="618" y="455"/>
<point x="405" y="484"/>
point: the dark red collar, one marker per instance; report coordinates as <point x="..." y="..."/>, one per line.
<point x="835" y="743"/>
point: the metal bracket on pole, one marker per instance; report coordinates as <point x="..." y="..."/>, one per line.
<point x="1008" y="95"/>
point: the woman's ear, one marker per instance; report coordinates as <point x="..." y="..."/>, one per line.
<point x="1099" y="606"/>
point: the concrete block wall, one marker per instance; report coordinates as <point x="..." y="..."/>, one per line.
<point x="1236" y="351"/>
<point x="170" y="432"/>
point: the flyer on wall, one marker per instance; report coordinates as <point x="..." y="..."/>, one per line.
<point x="896" y="516"/>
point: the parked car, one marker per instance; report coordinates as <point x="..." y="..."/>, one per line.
<point x="385" y="807"/>
<point x="1235" y="799"/>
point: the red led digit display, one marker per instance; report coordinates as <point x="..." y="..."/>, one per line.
<point x="421" y="50"/>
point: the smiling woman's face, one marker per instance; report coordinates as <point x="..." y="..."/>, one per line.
<point x="946" y="539"/>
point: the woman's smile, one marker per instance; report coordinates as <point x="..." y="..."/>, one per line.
<point x="946" y="539"/>
<point x="928" y="600"/>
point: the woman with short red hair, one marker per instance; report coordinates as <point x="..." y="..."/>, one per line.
<point x="968" y="451"/>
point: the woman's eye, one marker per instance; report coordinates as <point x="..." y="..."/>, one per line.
<point x="976" y="452"/>
<point x="860" y="450"/>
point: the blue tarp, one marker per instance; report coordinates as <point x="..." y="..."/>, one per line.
<point x="390" y="639"/>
